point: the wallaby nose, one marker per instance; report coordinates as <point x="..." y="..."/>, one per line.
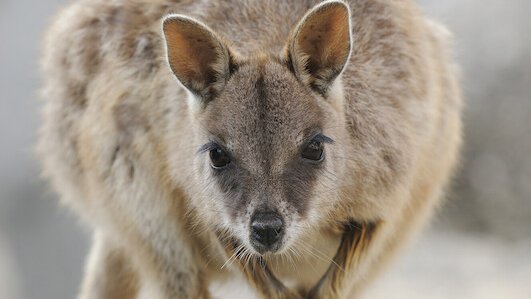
<point x="266" y="231"/>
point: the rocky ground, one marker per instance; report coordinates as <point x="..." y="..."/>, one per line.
<point x="454" y="265"/>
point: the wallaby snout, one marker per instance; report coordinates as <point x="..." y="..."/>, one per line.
<point x="266" y="231"/>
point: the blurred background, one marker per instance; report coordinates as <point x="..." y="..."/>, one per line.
<point x="479" y="247"/>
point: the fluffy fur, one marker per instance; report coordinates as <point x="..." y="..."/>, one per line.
<point x="121" y="139"/>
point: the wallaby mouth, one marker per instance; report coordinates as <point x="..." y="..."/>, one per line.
<point x="266" y="231"/>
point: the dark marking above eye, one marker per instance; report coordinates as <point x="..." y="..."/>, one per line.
<point x="324" y="139"/>
<point x="207" y="147"/>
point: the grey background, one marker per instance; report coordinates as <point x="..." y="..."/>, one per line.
<point x="478" y="248"/>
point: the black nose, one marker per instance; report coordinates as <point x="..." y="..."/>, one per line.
<point x="266" y="231"/>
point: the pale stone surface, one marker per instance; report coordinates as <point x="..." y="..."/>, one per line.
<point x="9" y="276"/>
<point x="451" y="265"/>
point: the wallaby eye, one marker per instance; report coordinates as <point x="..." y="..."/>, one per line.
<point x="219" y="158"/>
<point x="314" y="151"/>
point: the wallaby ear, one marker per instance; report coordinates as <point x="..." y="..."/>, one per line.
<point x="197" y="57"/>
<point x="320" y="45"/>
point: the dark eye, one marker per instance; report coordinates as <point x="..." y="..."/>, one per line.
<point x="314" y="151"/>
<point x="219" y="158"/>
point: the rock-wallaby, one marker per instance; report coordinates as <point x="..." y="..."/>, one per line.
<point x="293" y="146"/>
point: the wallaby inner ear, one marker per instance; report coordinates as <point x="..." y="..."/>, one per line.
<point x="197" y="57"/>
<point x="319" y="47"/>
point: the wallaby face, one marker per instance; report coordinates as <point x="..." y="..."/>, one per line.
<point x="267" y="129"/>
<point x="267" y="155"/>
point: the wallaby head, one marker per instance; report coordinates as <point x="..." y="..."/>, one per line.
<point x="268" y="129"/>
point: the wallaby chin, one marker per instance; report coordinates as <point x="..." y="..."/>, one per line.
<point x="293" y="146"/>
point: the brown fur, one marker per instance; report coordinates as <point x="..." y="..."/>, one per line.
<point x="121" y="136"/>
